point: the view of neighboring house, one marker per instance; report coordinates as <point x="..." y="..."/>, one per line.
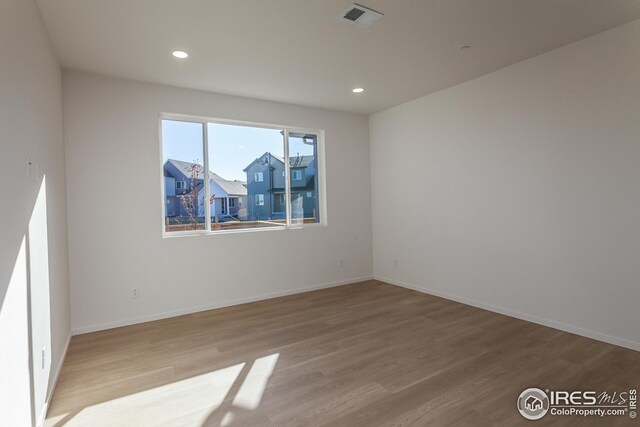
<point x="184" y="193"/>
<point x="266" y="189"/>
<point x="230" y="198"/>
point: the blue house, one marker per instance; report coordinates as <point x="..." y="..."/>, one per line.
<point x="266" y="188"/>
<point x="185" y="193"/>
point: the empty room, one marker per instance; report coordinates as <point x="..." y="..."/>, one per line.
<point x="319" y="213"/>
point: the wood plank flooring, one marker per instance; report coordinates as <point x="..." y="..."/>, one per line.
<point x="367" y="354"/>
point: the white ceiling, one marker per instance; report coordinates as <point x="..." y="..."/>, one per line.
<point x="298" y="51"/>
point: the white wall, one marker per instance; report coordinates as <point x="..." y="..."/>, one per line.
<point x="33" y="248"/>
<point x="520" y="191"/>
<point x="115" y="219"/>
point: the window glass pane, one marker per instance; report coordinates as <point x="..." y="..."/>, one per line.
<point x="303" y="160"/>
<point x="245" y="167"/>
<point x="183" y="157"/>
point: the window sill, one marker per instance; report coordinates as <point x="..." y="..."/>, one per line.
<point x="172" y="235"/>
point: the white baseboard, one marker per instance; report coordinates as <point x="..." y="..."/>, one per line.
<point x="52" y="388"/>
<point x="622" y="342"/>
<point x="228" y="303"/>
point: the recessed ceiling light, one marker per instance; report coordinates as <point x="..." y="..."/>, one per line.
<point x="180" y="54"/>
<point x="357" y="90"/>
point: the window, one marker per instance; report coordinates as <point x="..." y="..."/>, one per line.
<point x="227" y="162"/>
<point x="183" y="154"/>
<point x="280" y="204"/>
<point x="303" y="156"/>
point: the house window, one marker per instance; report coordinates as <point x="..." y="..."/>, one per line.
<point x="279" y="205"/>
<point x="218" y="163"/>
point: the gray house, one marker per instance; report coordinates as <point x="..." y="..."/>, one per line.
<point x="266" y="187"/>
<point x="185" y="193"/>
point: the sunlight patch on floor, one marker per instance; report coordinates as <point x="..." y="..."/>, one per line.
<point x="196" y="401"/>
<point x="250" y="394"/>
<point x="227" y="419"/>
<point x="52" y="421"/>
<point x="186" y="402"/>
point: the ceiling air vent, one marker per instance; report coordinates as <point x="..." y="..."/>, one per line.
<point x="361" y="15"/>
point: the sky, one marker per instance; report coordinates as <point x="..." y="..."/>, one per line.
<point x="231" y="148"/>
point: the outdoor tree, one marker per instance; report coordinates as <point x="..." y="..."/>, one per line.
<point x="192" y="205"/>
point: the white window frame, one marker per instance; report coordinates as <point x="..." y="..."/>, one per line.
<point x="258" y="177"/>
<point x="260" y="199"/>
<point x="296" y="173"/>
<point x="183" y="185"/>
<point x="320" y="174"/>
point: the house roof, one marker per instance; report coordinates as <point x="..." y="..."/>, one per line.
<point x="233" y="188"/>
<point x="295" y="161"/>
<point x="184" y="168"/>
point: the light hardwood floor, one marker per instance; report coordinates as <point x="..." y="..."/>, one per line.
<point x="367" y="354"/>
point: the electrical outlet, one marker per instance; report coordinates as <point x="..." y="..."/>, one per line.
<point x="341" y="262"/>
<point x="135" y="292"/>
<point x="395" y="263"/>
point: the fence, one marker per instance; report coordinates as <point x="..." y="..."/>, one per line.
<point x="233" y="225"/>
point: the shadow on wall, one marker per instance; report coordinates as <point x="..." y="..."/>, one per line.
<point x="25" y="323"/>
